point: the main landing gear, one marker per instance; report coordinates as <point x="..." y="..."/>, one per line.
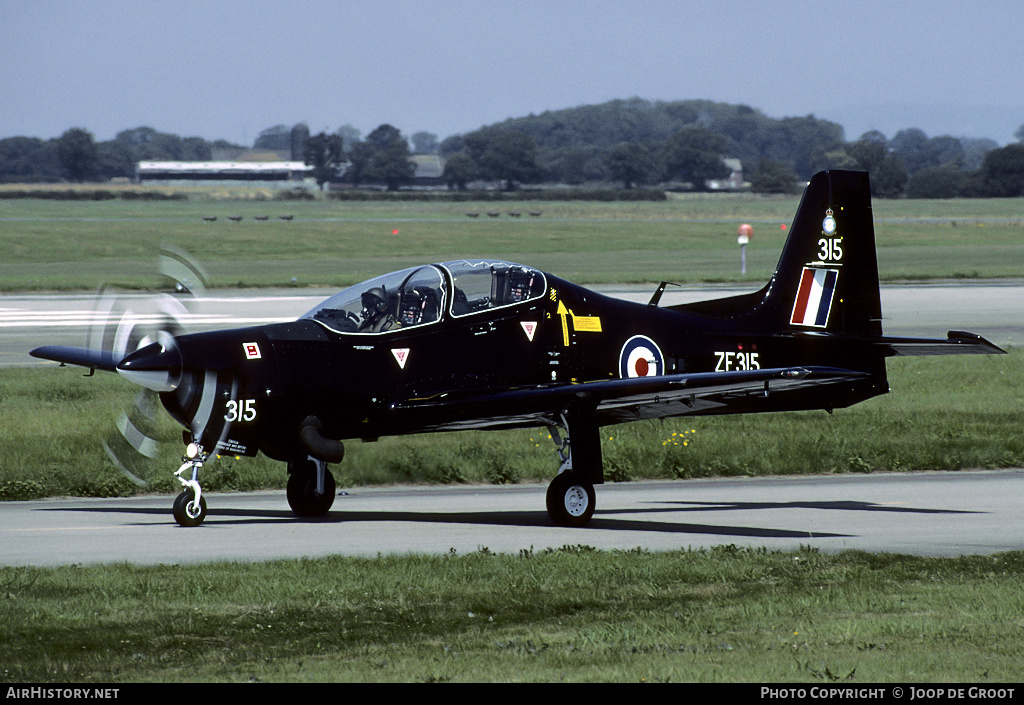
<point x="570" y="500"/>
<point x="311" y="488"/>
<point x="570" y="497"/>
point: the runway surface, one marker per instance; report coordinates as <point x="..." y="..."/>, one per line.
<point x="920" y="513"/>
<point x="936" y="514"/>
<point x="994" y="309"/>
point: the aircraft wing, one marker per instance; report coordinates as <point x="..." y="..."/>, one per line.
<point x="613" y="400"/>
<point x="83" y="357"/>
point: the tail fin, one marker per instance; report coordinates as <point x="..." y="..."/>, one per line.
<point x="827" y="277"/>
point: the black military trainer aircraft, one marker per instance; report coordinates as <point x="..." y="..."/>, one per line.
<point x="487" y="344"/>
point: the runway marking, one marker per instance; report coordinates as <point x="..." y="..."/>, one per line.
<point x="64" y="528"/>
<point x="25" y="319"/>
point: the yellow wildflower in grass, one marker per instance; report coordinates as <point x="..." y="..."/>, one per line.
<point x="679" y="437"/>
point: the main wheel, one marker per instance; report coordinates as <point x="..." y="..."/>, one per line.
<point x="302" y="494"/>
<point x="186" y="511"/>
<point x="570" y="501"/>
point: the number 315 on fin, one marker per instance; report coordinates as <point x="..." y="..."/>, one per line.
<point x="830" y="250"/>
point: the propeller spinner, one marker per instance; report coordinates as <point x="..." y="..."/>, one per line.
<point x="156" y="366"/>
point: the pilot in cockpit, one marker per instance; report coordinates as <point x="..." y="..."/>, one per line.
<point x="520" y="286"/>
<point x="376" y="316"/>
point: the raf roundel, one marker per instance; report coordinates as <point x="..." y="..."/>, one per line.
<point x="640" y="357"/>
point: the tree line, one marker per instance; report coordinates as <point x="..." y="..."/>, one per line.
<point x="637" y="142"/>
<point x="634" y="143"/>
<point x="75" y="156"/>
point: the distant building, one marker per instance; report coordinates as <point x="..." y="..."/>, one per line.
<point x="223" y="171"/>
<point x="733" y="182"/>
<point x="429" y="168"/>
<point x="427" y="175"/>
<point x="246" y="154"/>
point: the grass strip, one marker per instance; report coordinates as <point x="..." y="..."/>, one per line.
<point x="74" y="245"/>
<point x="574" y="614"/>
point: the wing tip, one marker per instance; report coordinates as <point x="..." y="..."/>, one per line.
<point x="83" y="357"/>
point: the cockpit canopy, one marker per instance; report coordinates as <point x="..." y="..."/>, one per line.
<point x="480" y="285"/>
<point x="421" y="295"/>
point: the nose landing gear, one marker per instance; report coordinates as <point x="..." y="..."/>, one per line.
<point x="190" y="506"/>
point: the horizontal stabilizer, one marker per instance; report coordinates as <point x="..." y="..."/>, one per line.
<point x="83" y="357"/>
<point x="956" y="343"/>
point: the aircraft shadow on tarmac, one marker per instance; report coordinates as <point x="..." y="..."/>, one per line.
<point x="845" y="505"/>
<point x="603" y="519"/>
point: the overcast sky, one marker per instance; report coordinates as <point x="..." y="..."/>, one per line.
<point x="227" y="69"/>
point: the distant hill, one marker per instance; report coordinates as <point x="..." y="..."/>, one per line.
<point x="573" y="143"/>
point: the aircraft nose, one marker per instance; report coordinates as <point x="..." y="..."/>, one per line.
<point x="156" y="367"/>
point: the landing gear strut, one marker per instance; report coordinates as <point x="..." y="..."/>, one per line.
<point x="570" y="497"/>
<point x="190" y="506"/>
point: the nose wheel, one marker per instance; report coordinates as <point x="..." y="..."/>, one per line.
<point x="188" y="511"/>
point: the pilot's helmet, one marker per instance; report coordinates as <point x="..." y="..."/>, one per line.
<point x="374" y="300"/>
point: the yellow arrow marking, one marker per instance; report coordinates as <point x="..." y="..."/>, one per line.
<point x="564" y="312"/>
